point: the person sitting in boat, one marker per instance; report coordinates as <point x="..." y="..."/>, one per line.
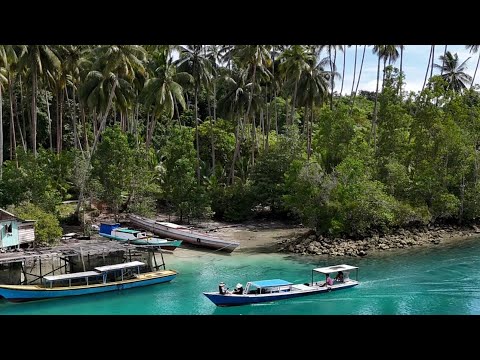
<point x="328" y="280"/>
<point x="339" y="277"/>
<point x="238" y="289"/>
<point x="222" y="288"/>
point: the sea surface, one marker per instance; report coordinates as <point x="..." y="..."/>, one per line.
<point x="439" y="280"/>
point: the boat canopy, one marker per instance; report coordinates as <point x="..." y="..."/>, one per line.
<point x="335" y="268"/>
<point x="71" y="276"/>
<point x="270" y="283"/>
<point x="119" y="266"/>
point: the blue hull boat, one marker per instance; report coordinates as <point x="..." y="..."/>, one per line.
<point x="278" y="289"/>
<point x="89" y="282"/>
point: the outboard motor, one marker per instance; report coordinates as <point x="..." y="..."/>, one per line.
<point x="221" y="288"/>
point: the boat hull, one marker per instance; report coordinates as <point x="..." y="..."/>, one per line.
<point x="245" y="299"/>
<point x="187" y="236"/>
<point x="161" y="243"/>
<point x="22" y="293"/>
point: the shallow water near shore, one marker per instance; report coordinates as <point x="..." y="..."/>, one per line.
<point x="425" y="281"/>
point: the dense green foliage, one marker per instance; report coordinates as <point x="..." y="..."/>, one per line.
<point x="47" y="227"/>
<point x="234" y="132"/>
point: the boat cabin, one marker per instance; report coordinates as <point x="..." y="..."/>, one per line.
<point x="128" y="234"/>
<point x="267" y="286"/>
<point x="100" y="275"/>
<point x="344" y="269"/>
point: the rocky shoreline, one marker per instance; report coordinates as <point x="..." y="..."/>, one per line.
<point x="311" y="244"/>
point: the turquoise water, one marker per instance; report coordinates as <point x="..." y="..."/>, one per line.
<point x="438" y="280"/>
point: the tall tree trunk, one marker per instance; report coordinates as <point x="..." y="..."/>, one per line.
<point x="292" y="116"/>
<point x="196" y="134"/>
<point x="213" y="122"/>
<point x="354" y="70"/>
<point x="428" y="67"/>
<point x="147" y="131"/>
<point x="384" y="72"/>
<point x="23" y="128"/>
<point x="254" y="138"/>
<point x="359" y="76"/>
<point x="49" y="122"/>
<point x="399" y="89"/>
<point x="237" y="148"/>
<point x="151" y="131"/>
<point x="22" y="139"/>
<point x="374" y="123"/>
<point x="238" y="141"/>
<point x="1" y="133"/>
<point x="57" y="127"/>
<point x="433" y="58"/>
<point x="34" y="111"/>
<point x="443" y="61"/>
<point x="13" y="140"/>
<point x="74" y="119"/>
<point x="267" y="131"/>
<point x="343" y="71"/>
<point x="84" y="127"/>
<point x="331" y="76"/>
<point x="475" y="73"/>
<point x="94" y="146"/>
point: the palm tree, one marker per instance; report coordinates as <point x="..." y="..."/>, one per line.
<point x="399" y="90"/>
<point x="162" y="89"/>
<point x="192" y="61"/>
<point x="387" y="52"/>
<point x="10" y="60"/>
<point x="37" y="59"/>
<point x="313" y="85"/>
<point x="453" y="73"/>
<point x="333" y="67"/>
<point x="254" y="58"/>
<point x="343" y="71"/>
<point x="474" y="49"/>
<point x="428" y="67"/>
<point x="73" y="61"/>
<point x="3" y="80"/>
<point x="294" y="61"/>
<point x="114" y="63"/>
<point x="359" y="76"/>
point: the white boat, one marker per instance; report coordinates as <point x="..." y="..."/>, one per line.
<point x="115" y="232"/>
<point x="179" y="232"/>
<point x="278" y="289"/>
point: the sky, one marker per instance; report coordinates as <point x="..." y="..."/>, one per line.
<point x="415" y="58"/>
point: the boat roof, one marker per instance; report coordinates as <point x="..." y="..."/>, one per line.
<point x="270" y="283"/>
<point x="126" y="230"/>
<point x="119" y="266"/>
<point x="334" y="268"/>
<point x="71" y="276"/>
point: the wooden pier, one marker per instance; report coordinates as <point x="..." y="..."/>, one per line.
<point x="73" y="256"/>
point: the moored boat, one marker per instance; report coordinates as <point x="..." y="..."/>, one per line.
<point x="179" y="232"/>
<point x="115" y="232"/>
<point x="279" y="289"/>
<point x="102" y="279"/>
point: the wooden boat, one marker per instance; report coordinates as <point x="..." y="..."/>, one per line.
<point x="103" y="279"/>
<point x="183" y="233"/>
<point x="278" y="289"/>
<point x="137" y="237"/>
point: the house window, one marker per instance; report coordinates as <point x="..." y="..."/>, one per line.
<point x="9" y="229"/>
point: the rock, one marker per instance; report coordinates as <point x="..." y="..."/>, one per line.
<point x="362" y="253"/>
